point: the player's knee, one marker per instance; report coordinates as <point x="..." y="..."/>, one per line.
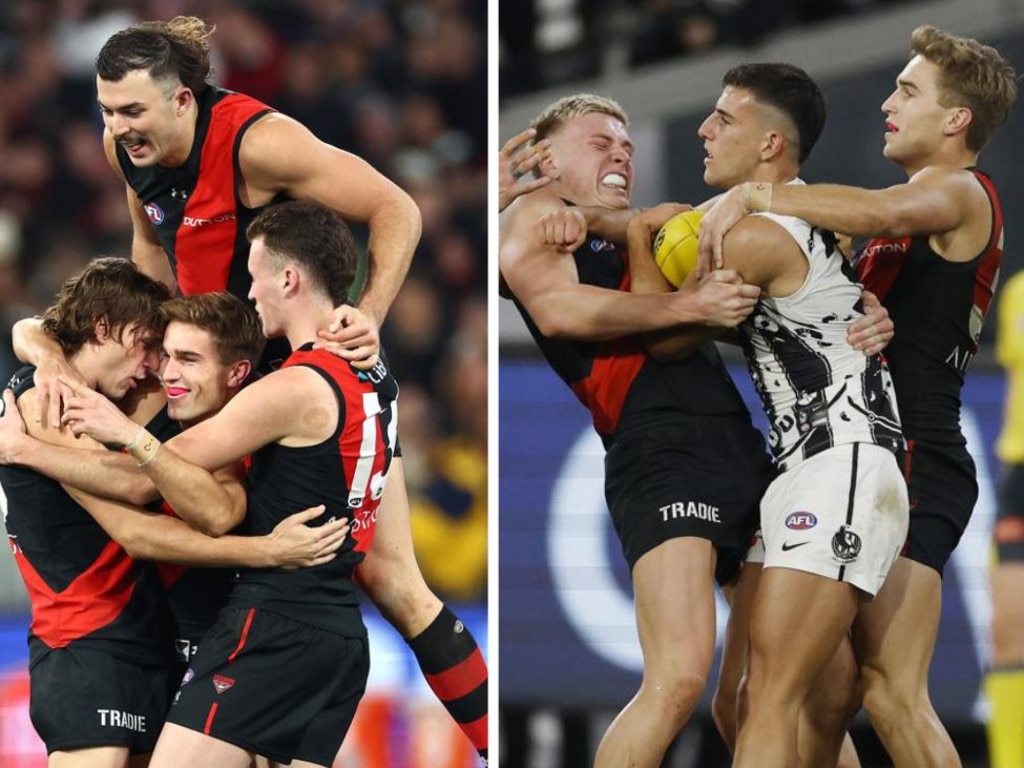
<point x="677" y="695"/>
<point x="889" y="700"/>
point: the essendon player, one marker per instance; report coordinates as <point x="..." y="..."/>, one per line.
<point x="200" y="163"/>
<point x="282" y="670"/>
<point x="99" y="641"/>
<point x="684" y="467"/>
<point x="211" y="343"/>
<point x="933" y="262"/>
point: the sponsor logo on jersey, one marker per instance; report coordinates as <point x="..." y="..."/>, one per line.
<point x="115" y="718"/>
<point x="786" y="546"/>
<point x="845" y="545"/>
<point x="222" y="683"/>
<point x="801" y="521"/>
<point x="695" y="509"/>
<point x="155" y="213"/>
<point x="195" y="221"/>
<point x="189" y="674"/>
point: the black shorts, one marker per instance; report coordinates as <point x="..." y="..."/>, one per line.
<point x="83" y="697"/>
<point x="943" y="487"/>
<point x="1009" y="527"/>
<point x="702" y="476"/>
<point x="274" y="686"/>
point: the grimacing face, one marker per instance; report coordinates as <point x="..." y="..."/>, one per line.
<point x="126" y="361"/>
<point x="592" y="156"/>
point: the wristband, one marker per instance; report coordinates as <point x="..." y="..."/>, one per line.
<point x="131" y="443"/>
<point x="757" y="196"/>
<point x="144" y="447"/>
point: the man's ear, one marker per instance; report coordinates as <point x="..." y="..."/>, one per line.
<point x="183" y="100"/>
<point x="548" y="167"/>
<point x="774" y="144"/>
<point x="101" y="329"/>
<point x="959" y="120"/>
<point x="239" y="373"/>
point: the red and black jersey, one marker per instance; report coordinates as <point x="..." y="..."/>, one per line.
<point x="84" y="588"/>
<point x="618" y="383"/>
<point x="195" y="208"/>
<point x="938" y="307"/>
<point x="345" y="472"/>
<point x="195" y="593"/>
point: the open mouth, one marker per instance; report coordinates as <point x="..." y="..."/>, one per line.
<point x="614" y="180"/>
<point x="133" y="146"/>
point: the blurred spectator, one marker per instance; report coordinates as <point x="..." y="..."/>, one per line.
<point x="401" y="83"/>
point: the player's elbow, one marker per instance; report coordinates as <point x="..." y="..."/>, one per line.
<point x="135" y="543"/>
<point x="139" y="491"/>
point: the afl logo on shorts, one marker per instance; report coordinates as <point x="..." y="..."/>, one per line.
<point x="801" y="521"/>
<point x="845" y="545"/>
<point x="155" y="213"/>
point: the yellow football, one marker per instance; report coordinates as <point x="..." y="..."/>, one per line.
<point x="675" y="247"/>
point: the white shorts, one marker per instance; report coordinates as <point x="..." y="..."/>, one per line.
<point x="841" y="514"/>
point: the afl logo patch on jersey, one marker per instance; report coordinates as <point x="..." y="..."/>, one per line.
<point x="155" y="213"/>
<point x="801" y="521"/>
<point x="597" y="245"/>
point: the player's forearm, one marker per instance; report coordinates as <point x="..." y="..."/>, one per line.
<point x="394" y="233"/>
<point x="168" y="539"/>
<point x="31" y="344"/>
<point x="192" y="491"/>
<point x="608" y="223"/>
<point x="851" y="210"/>
<point x="587" y="313"/>
<point x="103" y="473"/>
<point x="644" y="275"/>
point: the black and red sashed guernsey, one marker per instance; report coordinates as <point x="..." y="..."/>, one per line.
<point x="195" y="208"/>
<point x="84" y="588"/>
<point x="346" y="473"/>
<point x="938" y="308"/>
<point x="624" y="389"/>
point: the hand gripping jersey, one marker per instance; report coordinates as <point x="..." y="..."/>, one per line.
<point x="623" y="389"/>
<point x="938" y="307"/>
<point x="346" y="472"/>
<point x="195" y="208"/>
<point x="84" y="588"/>
<point x="817" y="390"/>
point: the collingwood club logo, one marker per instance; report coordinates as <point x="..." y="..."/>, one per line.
<point x="845" y="545"/>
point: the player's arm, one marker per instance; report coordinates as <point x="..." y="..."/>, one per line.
<point x="147" y="252"/>
<point x="195" y="492"/>
<point x="933" y="201"/>
<point x="280" y="154"/>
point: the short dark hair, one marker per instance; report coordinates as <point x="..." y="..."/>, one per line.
<point x="788" y="89"/>
<point x="178" y="49"/>
<point x="316" y="237"/>
<point x="233" y="323"/>
<point x="111" y="289"/>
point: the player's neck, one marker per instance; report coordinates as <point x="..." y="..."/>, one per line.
<point x="958" y="157"/>
<point x="302" y="326"/>
<point x="178" y="154"/>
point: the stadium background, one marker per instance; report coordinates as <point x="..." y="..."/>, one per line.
<point x="401" y="83"/>
<point x="566" y="622"/>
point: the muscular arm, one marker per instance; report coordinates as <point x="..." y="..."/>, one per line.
<point x="279" y="154"/>
<point x="545" y="280"/>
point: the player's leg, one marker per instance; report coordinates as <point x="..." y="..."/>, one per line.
<point x="179" y="746"/>
<point x="90" y="757"/>
<point x="894" y="637"/>
<point x="828" y="711"/>
<point x="675" y="610"/>
<point x="726" y="706"/>
<point x="798" y="623"/>
<point x="1004" y="682"/>
<point x="445" y="649"/>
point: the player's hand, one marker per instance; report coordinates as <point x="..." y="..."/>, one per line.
<point x="566" y="229"/>
<point x="49" y="394"/>
<point x="352" y="335"/>
<point x="295" y="544"/>
<point x="721" y="217"/>
<point x="87" y="412"/>
<point x="647" y="222"/>
<point x="13" y="433"/>
<point x="516" y="160"/>
<point x="873" y="332"/>
<point x="725" y="300"/>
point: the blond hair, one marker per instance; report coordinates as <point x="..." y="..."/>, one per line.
<point x="569" y="108"/>
<point x="972" y="75"/>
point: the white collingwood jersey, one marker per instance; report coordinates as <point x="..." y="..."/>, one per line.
<point x="817" y="390"/>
